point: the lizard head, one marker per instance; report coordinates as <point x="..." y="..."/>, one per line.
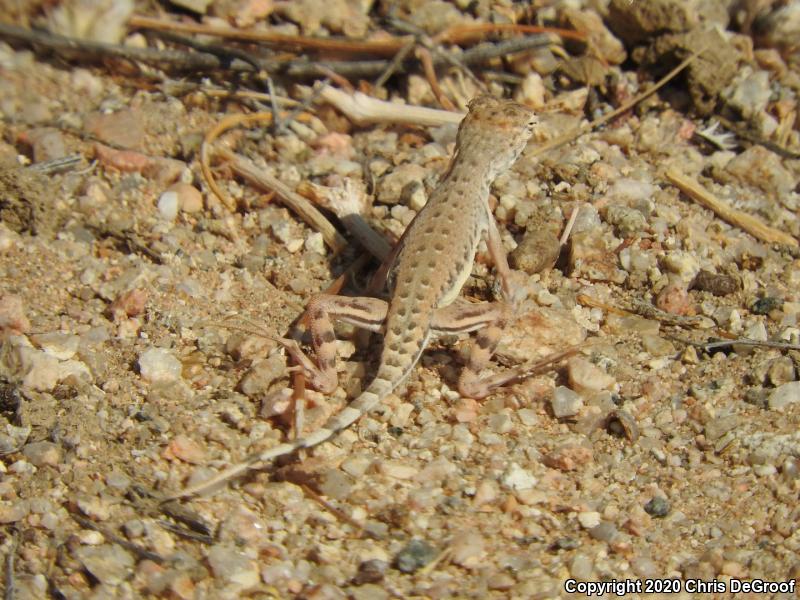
<point x="496" y="131"/>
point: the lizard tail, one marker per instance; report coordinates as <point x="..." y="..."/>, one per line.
<point x="384" y="383"/>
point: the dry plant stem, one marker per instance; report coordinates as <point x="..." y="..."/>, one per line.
<point x="424" y="56"/>
<point x="222" y="126"/>
<point x="461" y="35"/>
<point x="304" y="209"/>
<point x="287" y="42"/>
<point x="67" y="47"/>
<point x="738" y="342"/>
<point x="347" y="203"/>
<point x="362" y="109"/>
<point x="339" y="514"/>
<point x="10" y="569"/>
<point x="464" y="34"/>
<point x="755" y="227"/>
<point x="138" y="550"/>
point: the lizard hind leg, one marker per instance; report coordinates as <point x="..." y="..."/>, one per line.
<point x="366" y="313"/>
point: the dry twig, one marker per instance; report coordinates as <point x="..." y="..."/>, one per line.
<point x="755" y="227"/>
<point x="304" y="209"/>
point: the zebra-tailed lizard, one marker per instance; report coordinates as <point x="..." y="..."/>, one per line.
<point x="424" y="276"/>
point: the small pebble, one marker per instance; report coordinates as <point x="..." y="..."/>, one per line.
<point x="415" y="555"/>
<point x="516" y="478"/>
<point x="185" y="449"/>
<point x="468" y="549"/>
<point x="784" y="395"/>
<point x="233" y="567"/>
<point x="565" y="402"/>
<point x="110" y="564"/>
<point x="159" y="365"/>
<point x="189" y="198"/>
<point x="43" y="454"/>
<point x="168" y="205"/>
<point x="715" y="283"/>
<point x="538" y="250"/>
<point x="589" y="519"/>
<point x="781" y="371"/>
<point x="586" y="378"/>
<point x="370" y="571"/>
<point x="658" y="506"/>
<point x="12" y="315"/>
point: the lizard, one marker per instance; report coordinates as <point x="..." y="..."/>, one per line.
<point x="424" y="275"/>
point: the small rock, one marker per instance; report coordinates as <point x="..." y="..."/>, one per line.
<point x="415" y="555"/>
<point x="48" y="144"/>
<point x="604" y="532"/>
<point x="675" y="299"/>
<point x="750" y="94"/>
<point x="398" y="470"/>
<point x="538" y="250"/>
<point x="315" y="243"/>
<point x="130" y="303"/>
<point x="781" y="371"/>
<point x="13" y="512"/>
<point x="168" y="205"/>
<point x="468" y="549"/>
<point x="61" y="345"/>
<point x="532" y="91"/>
<point x="589" y="519"/>
<point x="185" y="449"/>
<point x="122" y="128"/>
<point x="600" y="39"/>
<point x="627" y="221"/>
<point x="581" y="567"/>
<point x="683" y="264"/>
<point x="786" y="394"/>
<point x="12" y="315"/>
<point x="94" y="507"/>
<point x="370" y="571"/>
<point x="586" y="378"/>
<point x="42" y="454"/>
<point x="233" y="567"/>
<point x="568" y="458"/>
<point x="764" y="306"/>
<point x="658" y="506"/>
<point x="110" y="564"/>
<point x="391" y="186"/>
<point x="159" y="365"/>
<point x="591" y="257"/>
<point x="335" y="484"/>
<point x="190" y="199"/>
<point x="655" y="345"/>
<point x="565" y="402"/>
<point x="516" y="478"/>
<point x="716" y="283"/>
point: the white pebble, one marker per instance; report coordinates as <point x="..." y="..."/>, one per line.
<point x="158" y="364"/>
<point x="168" y="204"/>
<point x="516" y="478"/>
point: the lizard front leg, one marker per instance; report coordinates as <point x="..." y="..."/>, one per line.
<point x="488" y="319"/>
<point x="364" y="312"/>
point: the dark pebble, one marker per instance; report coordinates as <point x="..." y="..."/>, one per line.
<point x="370" y="571"/>
<point x="715" y="283"/>
<point x="764" y="306"/>
<point x="414" y="556"/>
<point x="657" y="507"/>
